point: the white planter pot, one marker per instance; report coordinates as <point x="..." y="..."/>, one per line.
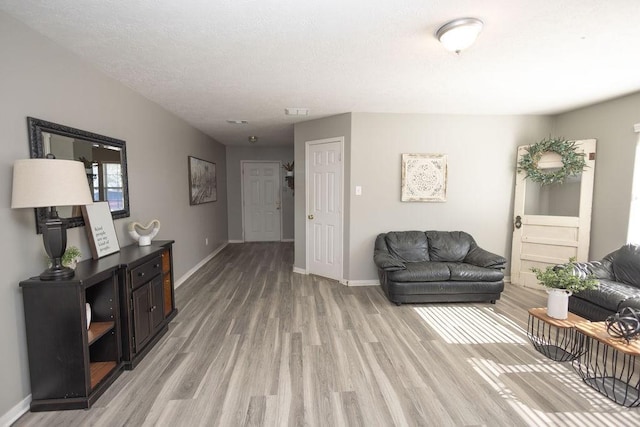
<point x="558" y="303"/>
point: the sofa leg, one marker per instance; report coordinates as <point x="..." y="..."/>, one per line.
<point x="493" y="301"/>
<point x="398" y="303"/>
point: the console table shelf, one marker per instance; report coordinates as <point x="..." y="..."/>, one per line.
<point x="98" y="329"/>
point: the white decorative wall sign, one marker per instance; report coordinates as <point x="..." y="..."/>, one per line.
<point x="100" y="230"/>
<point x="424" y="178"/>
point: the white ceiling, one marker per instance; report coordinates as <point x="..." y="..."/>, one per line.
<point x="212" y="60"/>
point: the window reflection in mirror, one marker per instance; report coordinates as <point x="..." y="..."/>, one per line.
<point x="102" y="164"/>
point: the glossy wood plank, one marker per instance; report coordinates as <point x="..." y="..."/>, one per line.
<point x="257" y="345"/>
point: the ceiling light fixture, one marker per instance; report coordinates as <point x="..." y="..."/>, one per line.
<point x="459" y="34"/>
<point x="253" y="139"/>
<point x="237" y="122"/>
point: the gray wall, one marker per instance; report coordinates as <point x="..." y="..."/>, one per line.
<point x="40" y="79"/>
<point x="611" y="123"/>
<point x="334" y="126"/>
<point x="234" y="178"/>
<point x="481" y="152"/>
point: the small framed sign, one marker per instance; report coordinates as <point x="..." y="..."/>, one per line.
<point x="100" y="230"/>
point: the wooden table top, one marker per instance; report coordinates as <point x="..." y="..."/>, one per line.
<point x="571" y="321"/>
<point x="598" y="331"/>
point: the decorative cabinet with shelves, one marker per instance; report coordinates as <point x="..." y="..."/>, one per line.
<point x="148" y="302"/>
<point x="70" y="365"/>
<point x="132" y="302"/>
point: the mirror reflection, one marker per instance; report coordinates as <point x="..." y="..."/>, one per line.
<point x="104" y="160"/>
<point x="102" y="164"/>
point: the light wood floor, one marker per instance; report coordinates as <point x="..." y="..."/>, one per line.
<point x="255" y="344"/>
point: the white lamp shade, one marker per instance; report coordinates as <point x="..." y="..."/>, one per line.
<point x="459" y="34"/>
<point x="39" y="183"/>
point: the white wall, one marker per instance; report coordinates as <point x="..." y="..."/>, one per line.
<point x="283" y="154"/>
<point x="611" y="123"/>
<point x="40" y="79"/>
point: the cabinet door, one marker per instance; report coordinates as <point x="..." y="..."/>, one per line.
<point x="141" y="318"/>
<point x="157" y="314"/>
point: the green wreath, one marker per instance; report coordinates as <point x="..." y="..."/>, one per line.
<point x="573" y="163"/>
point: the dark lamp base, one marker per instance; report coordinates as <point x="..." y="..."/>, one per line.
<point x="57" y="273"/>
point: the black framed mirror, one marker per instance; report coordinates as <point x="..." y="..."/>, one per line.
<point x="105" y="161"/>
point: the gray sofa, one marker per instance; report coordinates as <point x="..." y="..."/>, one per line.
<point x="437" y="266"/>
<point x="618" y="275"/>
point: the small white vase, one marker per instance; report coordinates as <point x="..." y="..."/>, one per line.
<point x="88" y="307"/>
<point x="558" y="303"/>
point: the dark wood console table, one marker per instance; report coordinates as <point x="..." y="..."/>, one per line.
<point x="132" y="302"/>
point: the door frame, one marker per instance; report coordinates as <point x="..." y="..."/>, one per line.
<point x="307" y="144"/>
<point x="242" y="163"/>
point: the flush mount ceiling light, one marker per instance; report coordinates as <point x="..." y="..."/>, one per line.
<point x="237" y="122"/>
<point x="459" y="34"/>
<point x="253" y="139"/>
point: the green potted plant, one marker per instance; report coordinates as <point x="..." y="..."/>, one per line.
<point x="71" y="256"/>
<point x="561" y="282"/>
<point x="289" y="175"/>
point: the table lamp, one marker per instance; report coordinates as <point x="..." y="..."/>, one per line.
<point x="47" y="183"/>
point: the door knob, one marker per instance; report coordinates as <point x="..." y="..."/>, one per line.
<point x="310" y="216"/>
<point x="518" y="222"/>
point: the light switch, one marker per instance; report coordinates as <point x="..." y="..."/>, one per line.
<point x="358" y="190"/>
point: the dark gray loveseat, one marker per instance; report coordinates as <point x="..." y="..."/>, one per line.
<point x="618" y="275"/>
<point x="437" y="266"/>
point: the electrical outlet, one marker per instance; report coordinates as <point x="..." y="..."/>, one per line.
<point x="206" y="241"/>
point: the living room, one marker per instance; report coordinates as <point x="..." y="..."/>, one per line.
<point x="43" y="79"/>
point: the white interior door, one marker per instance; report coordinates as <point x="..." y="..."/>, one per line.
<point x="261" y="201"/>
<point x="324" y="207"/>
<point x="552" y="223"/>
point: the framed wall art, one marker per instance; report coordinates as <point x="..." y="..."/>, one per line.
<point x="424" y="178"/>
<point x="100" y="230"/>
<point x="202" y="181"/>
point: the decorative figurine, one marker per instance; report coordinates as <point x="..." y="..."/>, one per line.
<point x="148" y="232"/>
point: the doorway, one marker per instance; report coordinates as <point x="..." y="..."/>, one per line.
<point x="261" y="201"/>
<point x="324" y="189"/>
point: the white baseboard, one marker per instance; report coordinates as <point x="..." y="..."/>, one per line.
<point x="16" y="412"/>
<point x="236" y="241"/>
<point x="363" y="283"/>
<point x="299" y="270"/>
<point x="195" y="268"/>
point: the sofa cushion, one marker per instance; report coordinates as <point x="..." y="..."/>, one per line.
<point x="427" y="271"/>
<point x="626" y="265"/>
<point x="471" y="273"/>
<point x="610" y="294"/>
<point x="448" y="246"/>
<point x="409" y="246"/>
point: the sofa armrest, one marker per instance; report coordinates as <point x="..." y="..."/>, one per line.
<point x="383" y="259"/>
<point x="598" y="269"/>
<point x="482" y="258"/>
<point x="388" y="262"/>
